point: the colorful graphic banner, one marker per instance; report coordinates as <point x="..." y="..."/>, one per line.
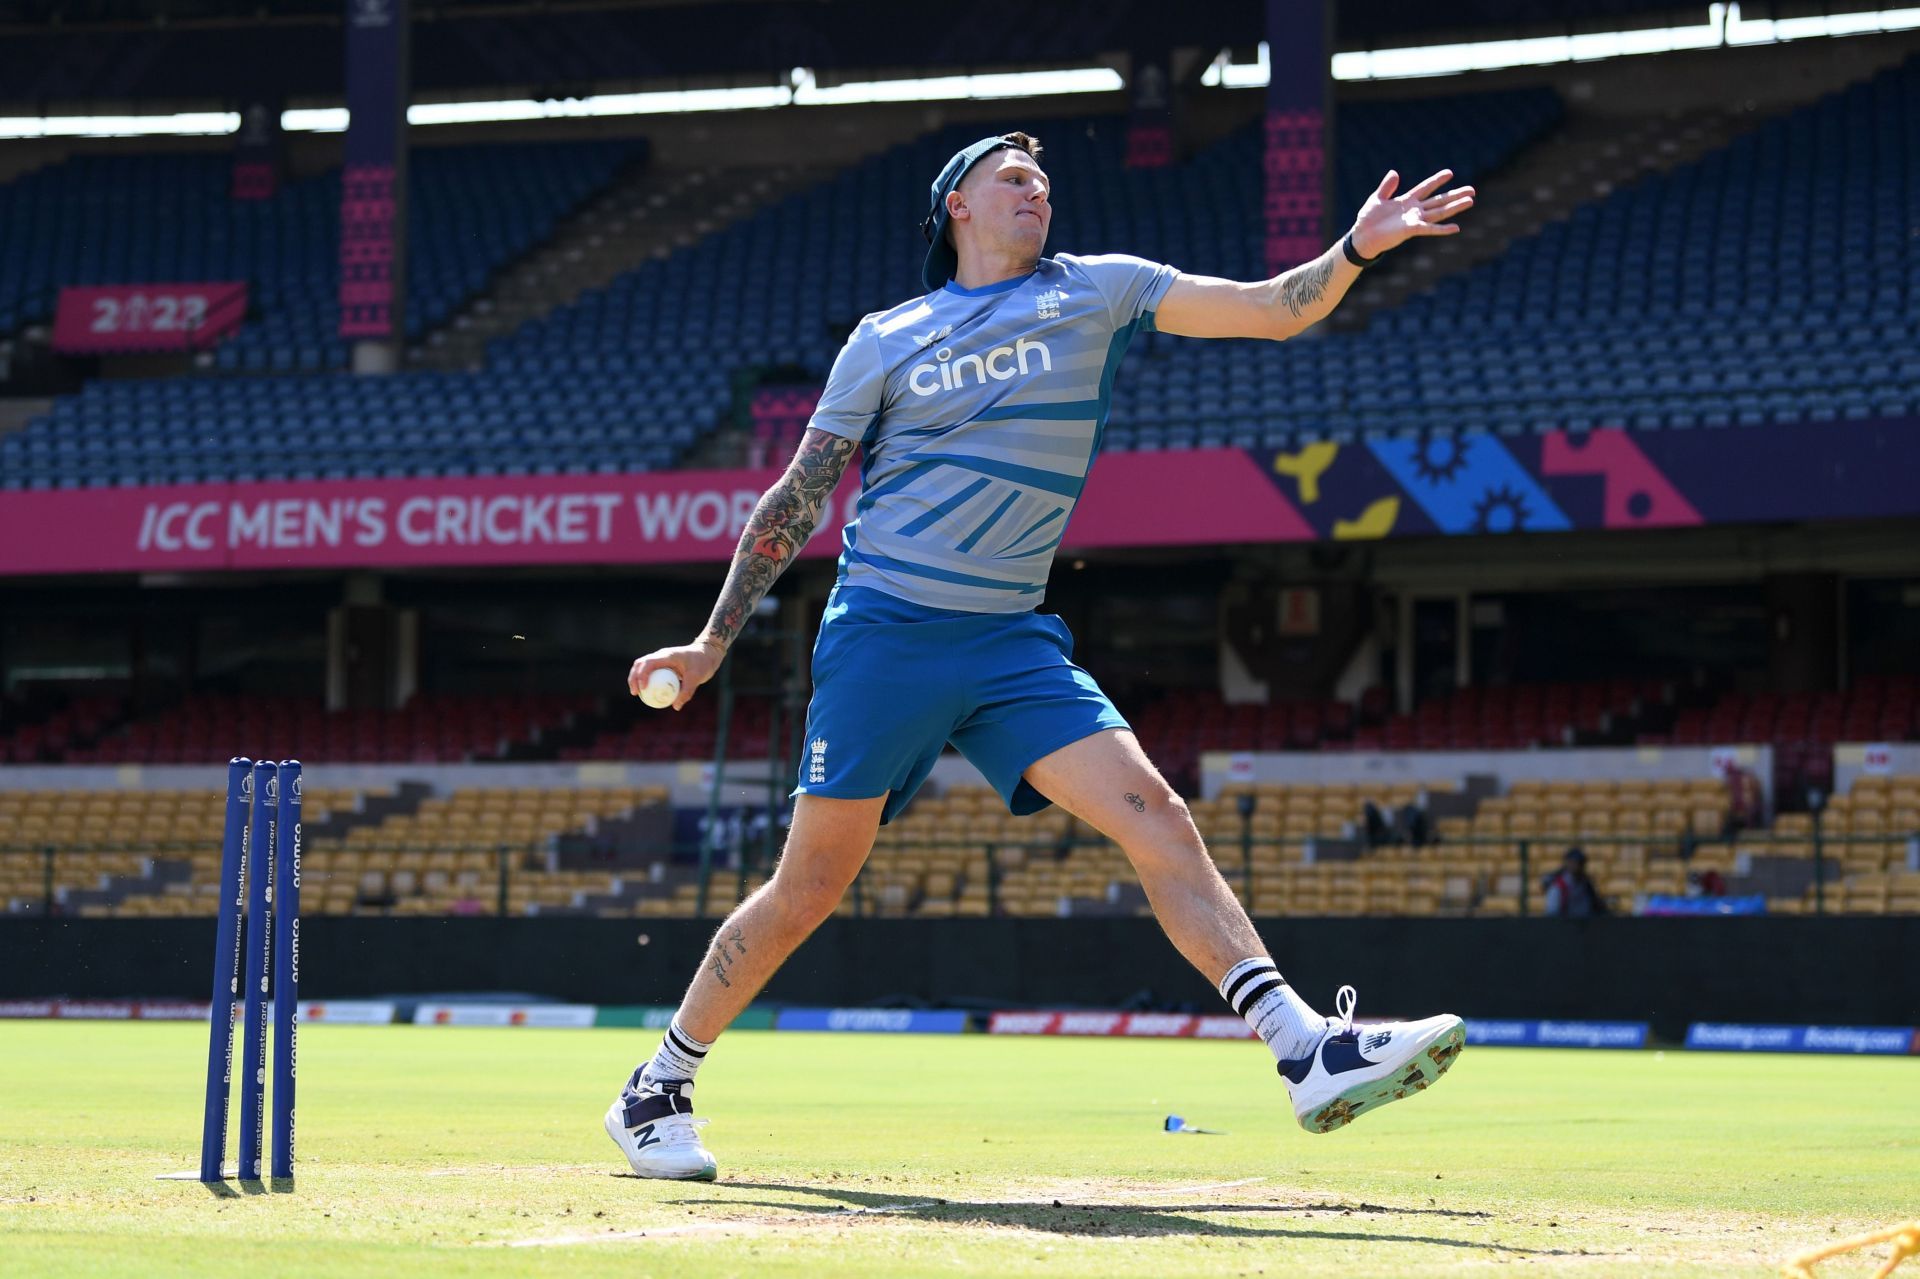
<point x="1443" y="486"/>
<point x="106" y="319"/>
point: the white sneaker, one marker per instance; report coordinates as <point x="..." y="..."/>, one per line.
<point x="1354" y="1069"/>
<point x="652" y="1122"/>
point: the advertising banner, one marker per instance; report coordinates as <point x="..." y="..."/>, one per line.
<point x="1610" y="479"/>
<point x="1120" y="1025"/>
<point x="105" y="1009"/>
<point x="546" y="1016"/>
<point x="1882" y="1041"/>
<point x="111" y="319"/>
<point x="348" y="1012"/>
<point x="660" y="1016"/>
<point x="1556" y="1034"/>
<point x="884" y="1021"/>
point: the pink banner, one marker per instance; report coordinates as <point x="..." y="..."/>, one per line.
<point x="108" y="318"/>
<point x="1132" y="499"/>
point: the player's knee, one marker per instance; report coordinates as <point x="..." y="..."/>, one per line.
<point x="809" y="896"/>
<point x="1165" y="811"/>
<point x="1164" y="830"/>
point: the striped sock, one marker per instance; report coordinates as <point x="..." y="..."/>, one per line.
<point x="1279" y="1016"/>
<point x="679" y="1056"/>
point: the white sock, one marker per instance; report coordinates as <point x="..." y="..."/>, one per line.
<point x="679" y="1055"/>
<point x="1277" y="1014"/>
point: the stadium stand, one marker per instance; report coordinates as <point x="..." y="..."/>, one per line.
<point x="781" y="288"/>
<point x="429" y="728"/>
<point x="1300" y="849"/>
<point x="1771" y="281"/>
<point x="1767" y="327"/>
<point x="131" y="219"/>
<point x="157" y="853"/>
<point x="774" y="291"/>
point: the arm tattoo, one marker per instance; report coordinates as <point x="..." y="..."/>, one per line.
<point x="1306" y="285"/>
<point x="780" y="526"/>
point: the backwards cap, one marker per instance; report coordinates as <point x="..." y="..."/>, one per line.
<point x="942" y="261"/>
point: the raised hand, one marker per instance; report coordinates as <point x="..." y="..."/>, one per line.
<point x="1387" y="221"/>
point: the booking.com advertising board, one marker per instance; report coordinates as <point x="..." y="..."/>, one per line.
<point x="1442" y="486"/>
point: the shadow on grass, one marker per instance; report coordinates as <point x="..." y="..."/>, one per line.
<point x="1117" y="1219"/>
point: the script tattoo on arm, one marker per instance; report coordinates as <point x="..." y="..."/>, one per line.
<point x="780" y="526"/>
<point x="1303" y="287"/>
<point x="723" y="958"/>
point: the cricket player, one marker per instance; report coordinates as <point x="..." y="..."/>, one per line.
<point x="979" y="408"/>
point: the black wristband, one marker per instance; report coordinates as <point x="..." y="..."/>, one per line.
<point x="1353" y="254"/>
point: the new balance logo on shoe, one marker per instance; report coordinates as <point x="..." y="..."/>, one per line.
<point x="1341" y="1053"/>
<point x="646" y="1137"/>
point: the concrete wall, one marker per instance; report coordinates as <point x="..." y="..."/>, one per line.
<point x="1666" y="971"/>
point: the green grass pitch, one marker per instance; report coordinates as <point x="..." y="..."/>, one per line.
<point x="479" y="1152"/>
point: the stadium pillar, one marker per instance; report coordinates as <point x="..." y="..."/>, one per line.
<point x="1803" y="610"/>
<point x="1403" y="654"/>
<point x="257" y="151"/>
<point x="373" y="648"/>
<point x="1152" y="138"/>
<point x="1299" y="132"/>
<point x="373" y="185"/>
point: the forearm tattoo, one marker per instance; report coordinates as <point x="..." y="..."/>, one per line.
<point x="1305" y="285"/>
<point x="780" y="526"/>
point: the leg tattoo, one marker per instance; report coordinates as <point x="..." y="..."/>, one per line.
<point x="723" y="958"/>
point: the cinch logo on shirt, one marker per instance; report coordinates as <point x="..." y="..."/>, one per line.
<point x="1001" y="363"/>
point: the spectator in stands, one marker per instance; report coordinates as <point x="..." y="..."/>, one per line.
<point x="1706" y="883"/>
<point x="978" y="407"/>
<point x="1406" y="825"/>
<point x="1571" y="892"/>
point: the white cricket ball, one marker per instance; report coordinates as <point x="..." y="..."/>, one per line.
<point x="661" y="688"/>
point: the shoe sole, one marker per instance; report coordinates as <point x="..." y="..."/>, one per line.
<point x="1418" y="1074"/>
<point x="709" y="1172"/>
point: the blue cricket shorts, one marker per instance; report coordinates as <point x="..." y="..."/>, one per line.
<point x="894" y="682"/>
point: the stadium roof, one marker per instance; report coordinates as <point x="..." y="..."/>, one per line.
<point x="234" y="51"/>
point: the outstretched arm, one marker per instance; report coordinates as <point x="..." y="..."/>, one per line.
<point x="779" y="527"/>
<point x="1203" y="306"/>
